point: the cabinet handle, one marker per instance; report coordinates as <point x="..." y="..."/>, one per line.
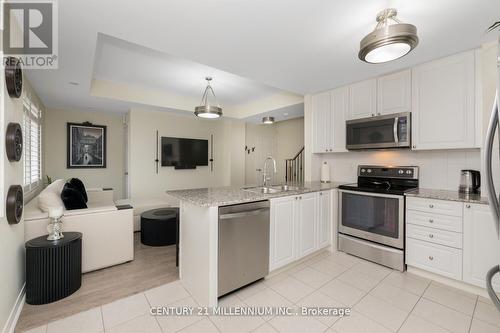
<point x="431" y="258"/>
<point x="296" y="198"/>
<point x="431" y="221"/>
<point x="431" y="206"/>
<point x="468" y="206"/>
<point x="431" y="236"/>
<point x="373" y="114"/>
<point x="300" y="198"/>
<point x="326" y="149"/>
<point x="320" y="193"/>
<point x="331" y="149"/>
<point x="378" y="113"/>
<point x="414" y="146"/>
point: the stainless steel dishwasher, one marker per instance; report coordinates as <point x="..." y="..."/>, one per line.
<point x="243" y="245"/>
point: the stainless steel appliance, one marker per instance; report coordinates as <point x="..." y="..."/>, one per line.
<point x="470" y="182"/>
<point x="372" y="213"/>
<point x="243" y="245"/>
<point x="490" y="188"/>
<point x="388" y="131"/>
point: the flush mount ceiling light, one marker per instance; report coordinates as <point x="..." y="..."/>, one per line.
<point x="206" y="110"/>
<point x="390" y="40"/>
<point x="268" y="120"/>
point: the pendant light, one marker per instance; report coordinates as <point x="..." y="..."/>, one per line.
<point x="205" y="110"/>
<point x="390" y="40"/>
<point x="268" y="120"/>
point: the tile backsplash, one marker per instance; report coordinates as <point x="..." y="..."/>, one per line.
<point x="439" y="169"/>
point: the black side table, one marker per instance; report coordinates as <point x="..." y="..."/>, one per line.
<point x="53" y="268"/>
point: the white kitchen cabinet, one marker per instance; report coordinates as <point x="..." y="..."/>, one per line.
<point x="329" y="110"/>
<point x="363" y="99"/>
<point x="338" y="113"/>
<point x="282" y="233"/>
<point x="324" y="219"/>
<point x="321" y="113"/>
<point x="307" y="223"/>
<point x="481" y="249"/>
<point x="394" y="93"/>
<point x="300" y="225"/>
<point x="443" y="103"/>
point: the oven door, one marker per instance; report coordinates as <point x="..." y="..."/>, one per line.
<point x="372" y="216"/>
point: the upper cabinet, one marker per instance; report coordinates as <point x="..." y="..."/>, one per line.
<point x="329" y="110"/>
<point x="443" y="103"/>
<point x="363" y="99"/>
<point x="394" y="93"/>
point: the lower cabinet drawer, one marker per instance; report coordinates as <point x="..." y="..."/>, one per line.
<point x="442" y="237"/>
<point x="439" y="259"/>
<point x="438" y="221"/>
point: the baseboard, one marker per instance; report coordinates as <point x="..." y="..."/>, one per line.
<point x="11" y="323"/>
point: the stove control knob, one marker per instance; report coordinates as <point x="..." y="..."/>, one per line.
<point x="363" y="170"/>
<point x="408" y="172"/>
<point x="400" y="171"/>
<point x="369" y="170"/>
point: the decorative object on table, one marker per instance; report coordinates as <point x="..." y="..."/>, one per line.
<point x="53" y="268"/>
<point x="54" y="228"/>
<point x="15" y="204"/>
<point x="159" y="227"/>
<point x="325" y="173"/>
<point x="86" y="146"/>
<point x="14" y="77"/>
<point x="51" y="196"/>
<point x="14" y="142"/>
<point x="390" y="40"/>
<point x="208" y="109"/>
<point x="72" y="197"/>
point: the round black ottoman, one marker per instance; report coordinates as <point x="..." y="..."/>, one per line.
<point x="159" y="226"/>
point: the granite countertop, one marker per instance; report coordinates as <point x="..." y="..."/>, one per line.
<point x="222" y="196"/>
<point x="447" y="195"/>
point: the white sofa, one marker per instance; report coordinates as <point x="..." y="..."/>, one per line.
<point x="107" y="231"/>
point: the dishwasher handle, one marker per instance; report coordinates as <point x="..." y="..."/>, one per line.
<point x="243" y="214"/>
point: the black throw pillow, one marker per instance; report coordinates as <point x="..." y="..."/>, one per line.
<point x="72" y="198"/>
<point x="78" y="185"/>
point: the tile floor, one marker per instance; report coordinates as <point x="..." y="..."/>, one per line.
<point x="382" y="300"/>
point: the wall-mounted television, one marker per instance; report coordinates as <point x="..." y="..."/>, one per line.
<point x="183" y="153"/>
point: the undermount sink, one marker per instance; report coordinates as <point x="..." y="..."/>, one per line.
<point x="272" y="189"/>
<point x="264" y="190"/>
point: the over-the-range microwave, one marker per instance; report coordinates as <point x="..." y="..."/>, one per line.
<point x="387" y="131"/>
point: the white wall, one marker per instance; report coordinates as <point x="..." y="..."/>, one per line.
<point x="228" y="145"/>
<point x="11" y="236"/>
<point x="289" y="141"/>
<point x="55" y="148"/>
<point x="281" y="140"/>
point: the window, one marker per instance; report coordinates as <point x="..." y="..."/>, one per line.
<point x="32" y="138"/>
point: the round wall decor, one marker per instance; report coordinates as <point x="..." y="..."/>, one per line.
<point x="14" y="204"/>
<point x="14" y="142"/>
<point x="14" y="77"/>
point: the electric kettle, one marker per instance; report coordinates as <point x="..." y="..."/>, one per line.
<point x="470" y="182"/>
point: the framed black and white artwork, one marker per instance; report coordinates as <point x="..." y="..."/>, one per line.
<point x="86" y="146"/>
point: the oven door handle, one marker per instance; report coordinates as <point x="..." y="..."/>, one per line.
<point x="395" y="130"/>
<point x="373" y="194"/>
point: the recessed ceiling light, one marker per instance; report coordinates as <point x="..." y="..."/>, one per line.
<point x="74" y="83"/>
<point x="389" y="41"/>
<point x="268" y="120"/>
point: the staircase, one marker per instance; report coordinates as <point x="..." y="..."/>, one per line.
<point x="295" y="168"/>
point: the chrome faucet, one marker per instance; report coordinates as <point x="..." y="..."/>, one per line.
<point x="265" y="178"/>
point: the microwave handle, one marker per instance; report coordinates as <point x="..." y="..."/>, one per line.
<point x="395" y="130"/>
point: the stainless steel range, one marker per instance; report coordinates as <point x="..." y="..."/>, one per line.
<point x="372" y="213"/>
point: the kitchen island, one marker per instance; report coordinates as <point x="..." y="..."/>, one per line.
<point x="198" y="234"/>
